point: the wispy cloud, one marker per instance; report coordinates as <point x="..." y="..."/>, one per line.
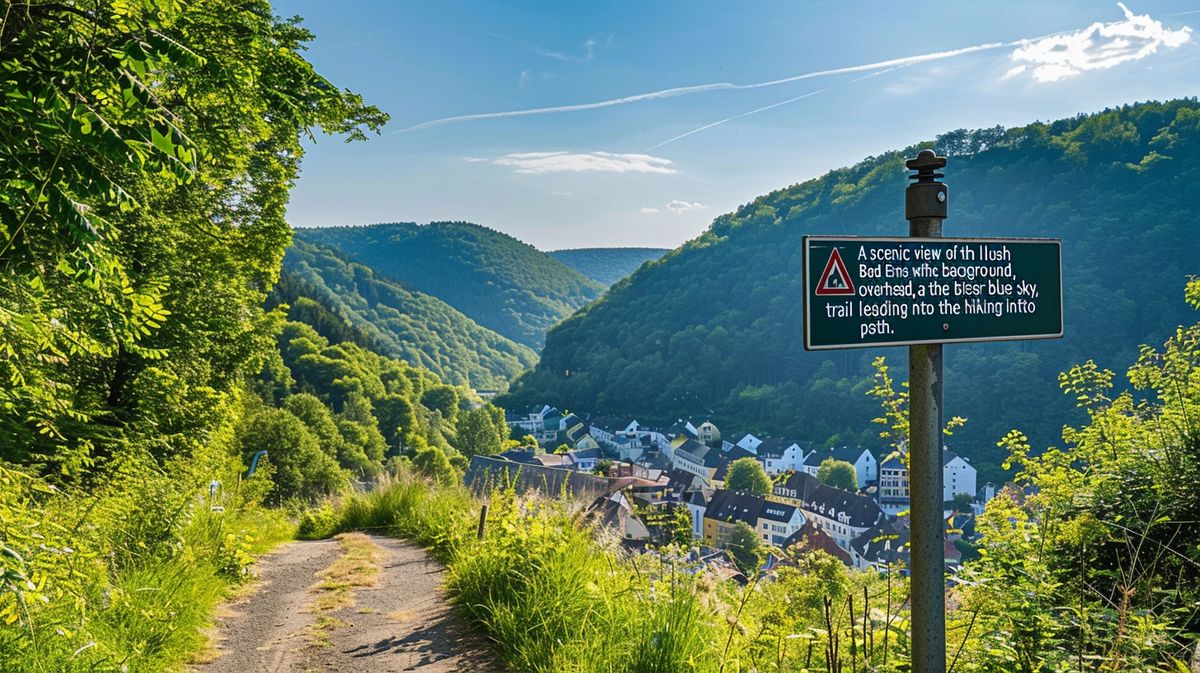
<point x="1098" y="47"/>
<point x="523" y="79"/>
<point x="716" y="86"/>
<point x="680" y="207"/>
<point x="578" y="162"/>
<point x="647" y="210"/>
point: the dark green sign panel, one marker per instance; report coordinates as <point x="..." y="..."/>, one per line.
<point x="861" y="292"/>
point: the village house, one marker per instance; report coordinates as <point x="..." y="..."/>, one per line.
<point x="958" y="477"/>
<point x="690" y="455"/>
<point x="781" y="455"/>
<point x="707" y="433"/>
<point x="840" y="514"/>
<point x="774" y="522"/>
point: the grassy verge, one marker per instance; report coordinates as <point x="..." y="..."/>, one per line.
<point x="123" y="578"/>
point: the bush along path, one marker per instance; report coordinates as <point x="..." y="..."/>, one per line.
<point x="355" y="603"/>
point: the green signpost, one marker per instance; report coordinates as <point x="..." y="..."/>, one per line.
<point x="924" y="291"/>
<point x="862" y="292"/>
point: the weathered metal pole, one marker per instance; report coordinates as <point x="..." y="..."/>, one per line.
<point x="925" y="208"/>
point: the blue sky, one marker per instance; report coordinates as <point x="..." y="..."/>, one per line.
<point x="610" y="171"/>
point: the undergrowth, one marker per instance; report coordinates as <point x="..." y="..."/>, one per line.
<point x="125" y="575"/>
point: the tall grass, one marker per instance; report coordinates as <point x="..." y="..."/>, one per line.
<point x="123" y="577"/>
<point x="554" y="594"/>
<point x="548" y="594"/>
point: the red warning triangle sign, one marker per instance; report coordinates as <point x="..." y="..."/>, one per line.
<point x="835" y="279"/>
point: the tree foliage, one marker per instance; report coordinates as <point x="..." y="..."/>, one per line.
<point x="747" y="475"/>
<point x="838" y="474"/>
<point x="346" y="301"/>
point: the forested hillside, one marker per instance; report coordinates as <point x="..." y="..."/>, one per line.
<point x="606" y="265"/>
<point x="716" y="325"/>
<point x="499" y="282"/>
<point x="395" y="320"/>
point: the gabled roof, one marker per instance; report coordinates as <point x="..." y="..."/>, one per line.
<point x="694" y="449"/>
<point x="949" y="457"/>
<point x="777" y="511"/>
<point x="817" y="457"/>
<point x="680" y="427"/>
<point x="697" y="498"/>
<point x="824" y="499"/>
<point x="810" y="538"/>
<point x="850" y="454"/>
<point x="885" y="543"/>
<point x="520" y="456"/>
<point x="730" y="506"/>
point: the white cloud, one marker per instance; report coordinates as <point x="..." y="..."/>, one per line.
<point x="473" y="160"/>
<point x="578" y="162"/>
<point x="646" y="210"/>
<point x="1098" y="47"/>
<point x="523" y="79"/>
<point x="680" y="207"/>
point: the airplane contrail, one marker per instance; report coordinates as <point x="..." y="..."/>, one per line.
<point x="764" y="108"/>
<point x="716" y="86"/>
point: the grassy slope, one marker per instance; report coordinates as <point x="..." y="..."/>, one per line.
<point x="498" y="281"/>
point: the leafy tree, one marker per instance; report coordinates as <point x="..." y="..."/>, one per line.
<point x="302" y="469"/>
<point x="838" y="474"/>
<point x="433" y="463"/>
<point x="747" y="474"/>
<point x="746" y="548"/>
<point x="480" y="431"/>
<point x="443" y="399"/>
<point x="143" y="179"/>
<point x="603" y="466"/>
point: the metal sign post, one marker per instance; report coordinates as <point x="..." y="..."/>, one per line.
<point x="924" y="291"/>
<point x="925" y="208"/>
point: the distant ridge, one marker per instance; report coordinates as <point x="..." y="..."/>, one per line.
<point x="607" y="265"/>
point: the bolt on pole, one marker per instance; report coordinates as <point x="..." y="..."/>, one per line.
<point x="925" y="208"/>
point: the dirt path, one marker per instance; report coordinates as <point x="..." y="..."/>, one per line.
<point x="401" y="622"/>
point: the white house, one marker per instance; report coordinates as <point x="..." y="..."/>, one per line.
<point x="781" y="455"/>
<point x="777" y="521"/>
<point x="958" y="476"/>
<point x="865" y="465"/>
<point x="842" y="515"/>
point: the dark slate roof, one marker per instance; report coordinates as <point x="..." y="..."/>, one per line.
<point x="820" y="497"/>
<point x="850" y="454"/>
<point x="885" y="543"/>
<point x="948" y="456"/>
<point x="732" y="506"/>
<point x="680" y="428"/>
<point x="777" y="511"/>
<point x="697" y="498"/>
<point x="695" y="449"/>
<point x="584" y="454"/>
<point x="817" y="457"/>
<point x="892" y="461"/>
<point x="485" y="473"/>
<point x="520" y="456"/>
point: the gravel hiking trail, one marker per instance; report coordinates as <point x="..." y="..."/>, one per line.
<point x="391" y="616"/>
